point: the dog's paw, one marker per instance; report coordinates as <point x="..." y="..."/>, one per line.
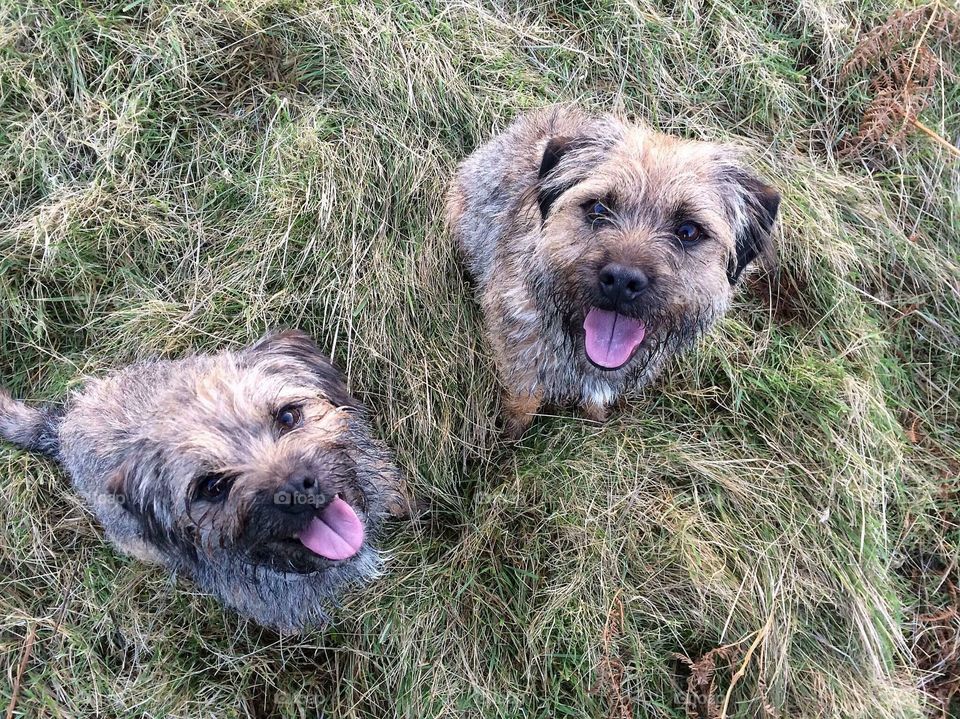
<point x="596" y="412"/>
<point x="514" y="427"/>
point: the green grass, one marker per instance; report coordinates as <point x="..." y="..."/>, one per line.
<point x="175" y="177"/>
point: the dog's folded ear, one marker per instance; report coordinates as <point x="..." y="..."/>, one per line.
<point x="130" y="486"/>
<point x="134" y="486"/>
<point x="283" y="341"/>
<point x="286" y="346"/>
<point x="754" y="211"/>
<point x="551" y="181"/>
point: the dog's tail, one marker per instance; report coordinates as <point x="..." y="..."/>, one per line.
<point x="33" y="428"/>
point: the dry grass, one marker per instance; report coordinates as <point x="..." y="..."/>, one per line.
<point x="177" y="177"/>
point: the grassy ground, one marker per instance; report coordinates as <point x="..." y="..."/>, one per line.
<point x="175" y="177"/>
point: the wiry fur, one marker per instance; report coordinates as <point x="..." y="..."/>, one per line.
<point x="515" y="208"/>
<point x="33" y="428"/>
<point x="135" y="442"/>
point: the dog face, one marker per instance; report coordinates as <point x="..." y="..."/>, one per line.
<point x="255" y="472"/>
<point x="645" y="236"/>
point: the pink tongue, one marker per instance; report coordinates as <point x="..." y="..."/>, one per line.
<point x="611" y="337"/>
<point x="336" y="534"/>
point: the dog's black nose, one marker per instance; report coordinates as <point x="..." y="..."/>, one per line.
<point x="301" y="493"/>
<point x="621" y="285"/>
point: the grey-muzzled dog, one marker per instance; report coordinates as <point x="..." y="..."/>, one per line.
<point x="254" y="472"/>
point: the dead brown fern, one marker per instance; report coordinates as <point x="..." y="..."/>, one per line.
<point x="935" y="633"/>
<point x="900" y="56"/>
<point x="702" y="699"/>
<point x="611" y="672"/>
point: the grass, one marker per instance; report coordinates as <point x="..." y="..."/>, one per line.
<point x="181" y="177"/>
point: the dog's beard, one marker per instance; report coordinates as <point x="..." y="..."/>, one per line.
<point x="318" y="541"/>
<point x="272" y="578"/>
<point x="566" y="305"/>
<point x="285" y="601"/>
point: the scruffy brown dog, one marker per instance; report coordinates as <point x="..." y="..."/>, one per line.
<point x="254" y="472"/>
<point x="600" y="249"/>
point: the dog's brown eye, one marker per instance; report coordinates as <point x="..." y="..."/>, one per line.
<point x="689" y="232"/>
<point x="214" y="486"/>
<point x="289" y="418"/>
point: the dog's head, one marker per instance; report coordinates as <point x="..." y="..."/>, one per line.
<point x="645" y="236"/>
<point x="257" y="472"/>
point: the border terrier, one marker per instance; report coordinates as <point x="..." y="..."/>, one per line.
<point x="599" y="250"/>
<point x="254" y="472"/>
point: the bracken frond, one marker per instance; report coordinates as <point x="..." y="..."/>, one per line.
<point x="900" y="55"/>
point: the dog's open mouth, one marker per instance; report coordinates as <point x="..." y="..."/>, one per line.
<point x="334" y="533"/>
<point x="610" y="338"/>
